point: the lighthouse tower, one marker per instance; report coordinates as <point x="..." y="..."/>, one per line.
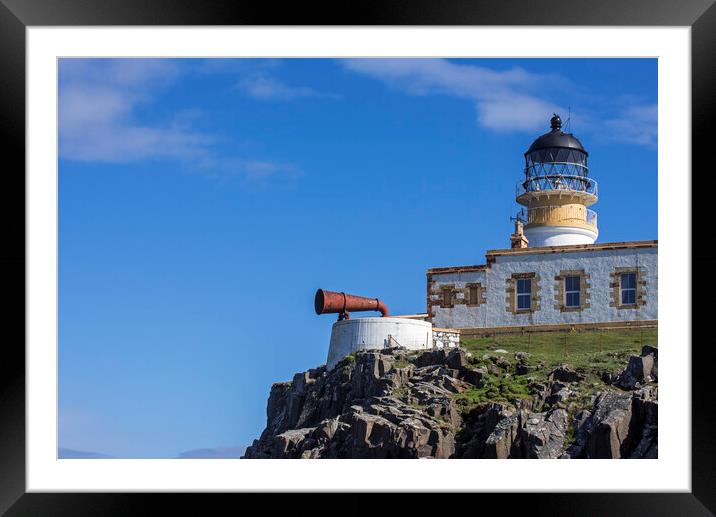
<point x="556" y="191"/>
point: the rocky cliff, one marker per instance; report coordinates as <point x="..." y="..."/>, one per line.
<point x="448" y="404"/>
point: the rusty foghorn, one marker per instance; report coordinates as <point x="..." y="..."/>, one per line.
<point x="329" y="302"/>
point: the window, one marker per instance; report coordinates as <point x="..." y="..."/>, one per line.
<point x="524" y="294"/>
<point x="571" y="292"/>
<point x="522" y="290"/>
<point x="627" y="283"/>
<point x="447" y="297"/>
<point x="473" y="297"/>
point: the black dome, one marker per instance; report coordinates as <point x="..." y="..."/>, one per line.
<point x="556" y="138"/>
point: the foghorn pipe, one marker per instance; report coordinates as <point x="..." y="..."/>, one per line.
<point x="329" y="302"/>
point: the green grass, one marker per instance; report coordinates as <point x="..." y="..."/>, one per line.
<point x="592" y="352"/>
<point x="496" y="389"/>
<point x="602" y="350"/>
<point x="571" y="436"/>
<point x="401" y="392"/>
<point x="348" y="361"/>
<point x="400" y="363"/>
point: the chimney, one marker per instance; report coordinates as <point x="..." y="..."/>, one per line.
<point x="518" y="238"/>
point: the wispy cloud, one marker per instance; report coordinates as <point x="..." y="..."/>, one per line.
<point x="505" y="100"/>
<point x="272" y="89"/>
<point x="269" y="88"/>
<point x="636" y="125"/>
<point x="502" y="98"/>
<point x="100" y="101"/>
<point x="251" y="170"/>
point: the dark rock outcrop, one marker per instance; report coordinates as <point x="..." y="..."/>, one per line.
<point x="611" y="424"/>
<point x="564" y="374"/>
<point x="559" y="394"/>
<point x="503" y="440"/>
<point x="582" y="427"/>
<point x="394" y="403"/>
<point x="640" y="370"/>
<point x="645" y="414"/>
<point x="543" y="434"/>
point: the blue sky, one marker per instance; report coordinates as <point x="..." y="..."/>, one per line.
<point x="202" y="203"/>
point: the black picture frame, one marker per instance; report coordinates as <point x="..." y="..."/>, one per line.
<point x="17" y="15"/>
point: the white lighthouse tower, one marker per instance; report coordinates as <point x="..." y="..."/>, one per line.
<point x="556" y="191"/>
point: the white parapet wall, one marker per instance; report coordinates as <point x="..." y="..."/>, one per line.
<point x="351" y="335"/>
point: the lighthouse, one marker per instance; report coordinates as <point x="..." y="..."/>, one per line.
<point x="556" y="192"/>
<point x="554" y="275"/>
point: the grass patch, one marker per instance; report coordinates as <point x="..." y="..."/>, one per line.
<point x="502" y="389"/>
<point x="592" y="351"/>
<point x="400" y="363"/>
<point x="348" y="361"/>
<point x="401" y="392"/>
<point x="571" y="435"/>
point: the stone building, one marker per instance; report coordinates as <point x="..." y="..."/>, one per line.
<point x="554" y="274"/>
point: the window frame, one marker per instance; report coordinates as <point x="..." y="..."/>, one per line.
<point x="623" y="290"/>
<point x="447" y="292"/>
<point x="473" y="289"/>
<point x="523" y="295"/>
<point x="578" y="292"/>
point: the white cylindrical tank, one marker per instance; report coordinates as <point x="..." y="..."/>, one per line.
<point x="351" y="335"/>
<point x="538" y="236"/>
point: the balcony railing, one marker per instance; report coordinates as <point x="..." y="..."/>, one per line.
<point x="591" y="217"/>
<point x="559" y="214"/>
<point x="567" y="183"/>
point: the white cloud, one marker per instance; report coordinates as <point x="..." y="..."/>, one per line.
<point x="99" y="126"/>
<point x="98" y="100"/>
<point x="270" y="88"/>
<point x="254" y="170"/>
<point x="119" y="72"/>
<point x="512" y="99"/>
<point x="502" y="98"/>
<point x="251" y="170"/>
<point x="99" y="105"/>
<point x="429" y="76"/>
<point x="636" y="125"/>
<point x="516" y="113"/>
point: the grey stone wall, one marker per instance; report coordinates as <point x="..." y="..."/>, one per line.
<point x="445" y="338"/>
<point x="599" y="266"/>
